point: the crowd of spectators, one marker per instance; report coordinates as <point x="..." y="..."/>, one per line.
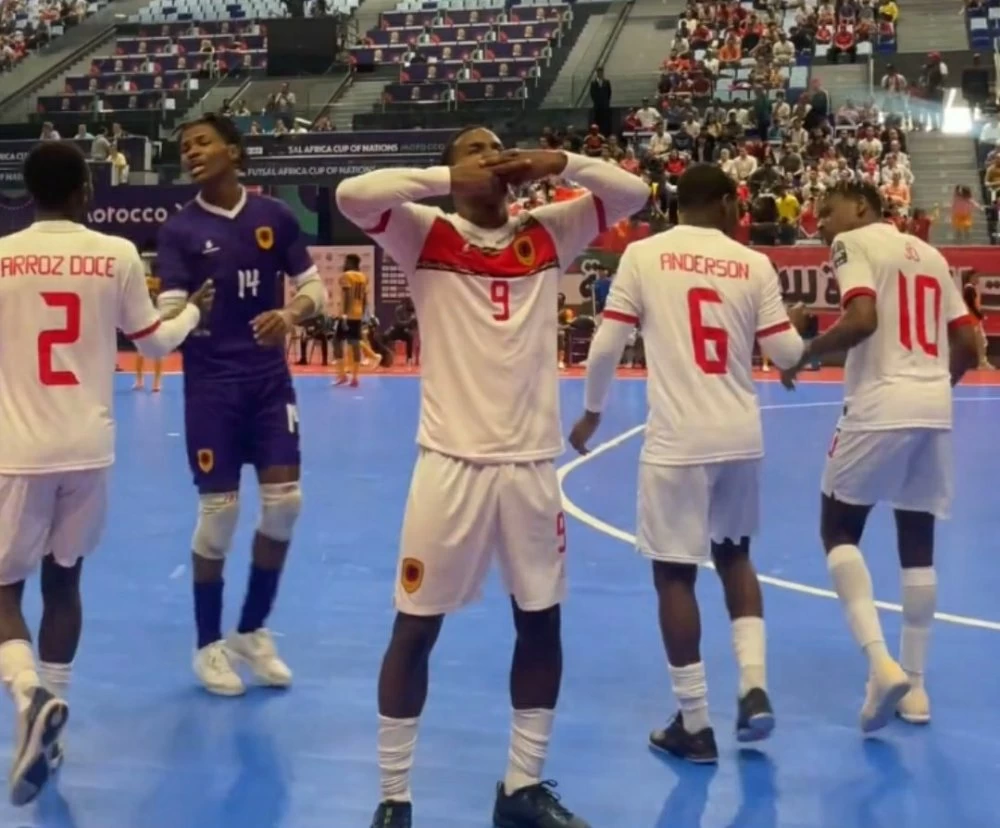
<point x="26" y="25"/>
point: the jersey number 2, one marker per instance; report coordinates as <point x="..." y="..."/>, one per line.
<point x="711" y="360"/>
<point x="66" y="335"/>
<point x="926" y="291"/>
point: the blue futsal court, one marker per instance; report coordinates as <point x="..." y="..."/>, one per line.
<point x="147" y="748"/>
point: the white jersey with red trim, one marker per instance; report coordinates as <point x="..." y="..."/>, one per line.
<point x="700" y="299"/>
<point x="899" y="377"/>
<point x="64" y="292"/>
<point x="486" y="302"/>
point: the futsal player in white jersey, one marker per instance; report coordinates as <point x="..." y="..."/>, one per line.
<point x="909" y="338"/>
<point x="485" y="287"/>
<point x="701" y="300"/>
<point x="64" y="290"/>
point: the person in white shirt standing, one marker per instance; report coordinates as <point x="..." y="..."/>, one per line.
<point x="485" y="285"/>
<point x="701" y="300"/>
<point x="64" y="292"/>
<point x="909" y="338"/>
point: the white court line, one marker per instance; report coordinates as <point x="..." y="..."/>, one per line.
<point x="626" y="537"/>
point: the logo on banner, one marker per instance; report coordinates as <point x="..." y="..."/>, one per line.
<point x="265" y="237"/>
<point x="524" y="250"/>
<point x="206" y="460"/>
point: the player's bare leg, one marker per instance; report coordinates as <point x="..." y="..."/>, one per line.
<point x="140" y="367"/>
<point x="41" y="715"/>
<point x="338" y="361"/>
<point x="841" y="527"/>
<point x="524" y="800"/>
<point x="355" y="350"/>
<point x="689" y="735"/>
<point x="915" y="536"/>
<point x="59" y="633"/>
<point x="402" y="693"/>
<point x="157" y="375"/>
<point x="755" y="716"/>
<point x="252" y="643"/>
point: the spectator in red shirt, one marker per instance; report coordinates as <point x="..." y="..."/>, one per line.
<point x="843" y="44"/>
<point x="919" y="224"/>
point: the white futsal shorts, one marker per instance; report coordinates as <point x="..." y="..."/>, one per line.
<point x="61" y="513"/>
<point x="911" y="468"/>
<point x="460" y="514"/>
<point x="682" y="509"/>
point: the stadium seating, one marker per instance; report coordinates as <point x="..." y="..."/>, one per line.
<point x="463" y="50"/>
<point x="159" y="68"/>
<point x="27" y="25"/>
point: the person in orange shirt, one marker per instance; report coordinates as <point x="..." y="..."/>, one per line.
<point x="354" y="290"/>
<point x="153" y="286"/>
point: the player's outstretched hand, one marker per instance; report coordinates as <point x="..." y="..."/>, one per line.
<point x="271" y="327"/>
<point x="798" y="316"/>
<point x="203" y="298"/>
<point x="583" y="431"/>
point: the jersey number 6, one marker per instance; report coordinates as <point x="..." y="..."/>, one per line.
<point x="66" y="335"/>
<point x="710" y="360"/>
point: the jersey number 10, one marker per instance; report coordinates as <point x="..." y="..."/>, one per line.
<point x="926" y="290"/>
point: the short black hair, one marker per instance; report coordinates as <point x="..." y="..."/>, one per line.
<point x="352" y="261"/>
<point x="703" y="185"/>
<point x="449" y="148"/>
<point x="55" y="172"/>
<point x="858" y="191"/>
<point x="224" y="126"/>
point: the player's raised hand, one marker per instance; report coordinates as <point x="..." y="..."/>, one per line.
<point x="521" y="166"/>
<point x="271" y="327"/>
<point x="473" y="179"/>
<point x="203" y="298"/>
<point x="583" y="431"/>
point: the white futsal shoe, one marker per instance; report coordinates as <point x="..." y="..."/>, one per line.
<point x="887" y="685"/>
<point x="38" y="729"/>
<point x="915" y="707"/>
<point x="214" y="667"/>
<point x="258" y="651"/>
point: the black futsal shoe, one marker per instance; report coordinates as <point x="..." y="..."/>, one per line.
<point x="754" y="716"/>
<point x="697" y="747"/>
<point x="393" y="815"/>
<point x="536" y="806"/>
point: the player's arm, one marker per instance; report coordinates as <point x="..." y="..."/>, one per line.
<point x="175" y="280"/>
<point x="962" y="334"/>
<point x="622" y="312"/>
<point x="780" y="340"/>
<point x="141" y="322"/>
<point x="859" y="319"/>
<point x="383" y="203"/>
<point x="614" y="194"/>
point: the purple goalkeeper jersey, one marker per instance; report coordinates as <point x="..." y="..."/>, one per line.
<point x="248" y="252"/>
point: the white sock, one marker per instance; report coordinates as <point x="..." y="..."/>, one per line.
<point x="397" y="739"/>
<point x="17" y="671"/>
<point x="55" y="677"/>
<point x="750" y="645"/>
<point x="853" y="584"/>
<point x="529" y="745"/>
<point x="691" y="690"/>
<point x="919" y="601"/>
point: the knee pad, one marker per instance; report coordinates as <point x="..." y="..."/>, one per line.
<point x="217" y="516"/>
<point x="280" y="504"/>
